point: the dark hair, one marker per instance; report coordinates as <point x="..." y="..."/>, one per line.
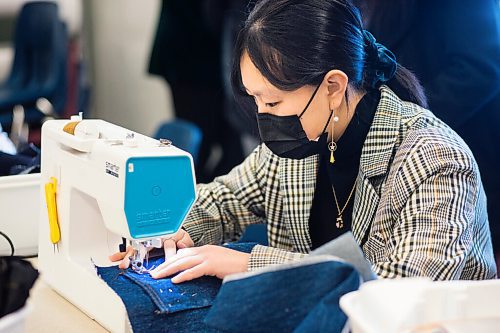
<point x="294" y="43"/>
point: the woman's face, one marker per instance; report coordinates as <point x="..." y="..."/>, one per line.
<point x="270" y="99"/>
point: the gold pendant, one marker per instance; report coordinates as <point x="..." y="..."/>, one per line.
<point x="332" y="146"/>
<point x="332" y="159"/>
<point x="340" y="223"/>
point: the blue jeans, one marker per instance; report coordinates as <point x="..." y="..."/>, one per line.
<point x="296" y="297"/>
<point x="162" y="306"/>
<point x="302" y="297"/>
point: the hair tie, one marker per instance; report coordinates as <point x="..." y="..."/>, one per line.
<point x="380" y="62"/>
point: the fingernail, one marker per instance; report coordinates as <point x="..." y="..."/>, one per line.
<point x="175" y="280"/>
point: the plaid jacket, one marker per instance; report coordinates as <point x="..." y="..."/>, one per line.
<point x="419" y="205"/>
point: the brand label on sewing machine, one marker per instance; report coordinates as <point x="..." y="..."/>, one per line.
<point x="159" y="216"/>
<point x="112" y="169"/>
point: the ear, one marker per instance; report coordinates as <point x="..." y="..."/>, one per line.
<point x="336" y="81"/>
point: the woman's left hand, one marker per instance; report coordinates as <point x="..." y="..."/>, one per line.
<point x="195" y="262"/>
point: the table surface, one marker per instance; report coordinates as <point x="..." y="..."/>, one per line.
<point x="50" y="312"/>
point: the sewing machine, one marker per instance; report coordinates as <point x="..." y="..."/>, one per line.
<point x="110" y="184"/>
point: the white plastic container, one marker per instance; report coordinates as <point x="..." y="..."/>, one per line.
<point x="20" y="211"/>
<point x="14" y="322"/>
<point x="418" y="305"/>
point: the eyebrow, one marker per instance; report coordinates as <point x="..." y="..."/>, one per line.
<point x="259" y="93"/>
<point x="256" y="93"/>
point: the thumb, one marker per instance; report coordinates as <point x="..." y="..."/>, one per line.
<point x="169" y="247"/>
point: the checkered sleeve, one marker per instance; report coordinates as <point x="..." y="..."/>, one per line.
<point x="262" y="256"/>
<point x="227" y="205"/>
<point x="437" y="188"/>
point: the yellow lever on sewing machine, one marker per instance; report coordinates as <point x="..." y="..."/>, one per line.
<point x="50" y="198"/>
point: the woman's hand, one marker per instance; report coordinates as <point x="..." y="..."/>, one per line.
<point x="180" y="240"/>
<point x="195" y="262"/>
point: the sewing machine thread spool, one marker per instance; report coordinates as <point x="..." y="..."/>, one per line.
<point x="70" y="127"/>
<point x="81" y="129"/>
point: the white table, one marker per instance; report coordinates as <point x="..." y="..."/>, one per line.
<point x="52" y="313"/>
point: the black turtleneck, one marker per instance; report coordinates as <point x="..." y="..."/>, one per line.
<point x="341" y="175"/>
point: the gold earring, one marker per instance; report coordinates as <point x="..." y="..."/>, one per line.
<point x="332" y="146"/>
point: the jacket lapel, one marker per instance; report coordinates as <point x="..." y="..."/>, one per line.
<point x="297" y="186"/>
<point x="376" y="156"/>
<point x="366" y="203"/>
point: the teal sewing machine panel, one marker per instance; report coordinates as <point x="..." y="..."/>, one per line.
<point x="159" y="191"/>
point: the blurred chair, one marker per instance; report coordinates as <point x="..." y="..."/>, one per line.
<point x="183" y="134"/>
<point x="37" y="80"/>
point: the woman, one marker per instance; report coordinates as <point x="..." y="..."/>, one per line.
<point x="340" y="152"/>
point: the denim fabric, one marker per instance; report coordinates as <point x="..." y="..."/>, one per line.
<point x="242" y="247"/>
<point x="170" y="297"/>
<point x="143" y="313"/>
<point x="301" y="297"/>
<point x="161" y="306"/>
<point x="255" y="233"/>
<point x="296" y="297"/>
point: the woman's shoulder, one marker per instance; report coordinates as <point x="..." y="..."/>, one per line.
<point x="416" y="128"/>
<point x="424" y="145"/>
<point x="421" y="125"/>
<point x="430" y="144"/>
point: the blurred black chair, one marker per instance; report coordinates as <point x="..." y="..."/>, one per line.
<point x="183" y="134"/>
<point x="37" y="82"/>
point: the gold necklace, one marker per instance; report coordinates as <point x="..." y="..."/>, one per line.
<point x="340" y="222"/>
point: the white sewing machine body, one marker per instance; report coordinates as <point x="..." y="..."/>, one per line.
<point x="109" y="185"/>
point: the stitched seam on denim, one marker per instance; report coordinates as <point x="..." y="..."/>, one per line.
<point x="162" y="306"/>
<point x="150" y="291"/>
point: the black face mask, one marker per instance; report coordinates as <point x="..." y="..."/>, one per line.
<point x="286" y="137"/>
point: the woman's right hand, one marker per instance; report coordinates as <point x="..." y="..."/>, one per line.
<point x="179" y="240"/>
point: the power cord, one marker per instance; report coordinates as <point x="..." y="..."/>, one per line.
<point x="10" y="243"/>
<point x="12" y="249"/>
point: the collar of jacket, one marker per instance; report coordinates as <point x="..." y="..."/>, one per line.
<point x="379" y="144"/>
<point x="298" y="177"/>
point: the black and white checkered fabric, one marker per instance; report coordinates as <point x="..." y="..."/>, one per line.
<point x="419" y="206"/>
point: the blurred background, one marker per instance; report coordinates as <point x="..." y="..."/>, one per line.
<point x="128" y="62"/>
<point x="110" y="44"/>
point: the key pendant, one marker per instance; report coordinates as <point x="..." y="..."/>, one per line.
<point x="339" y="223"/>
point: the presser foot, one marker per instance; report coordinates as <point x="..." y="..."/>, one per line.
<point x="141" y="255"/>
<point x="138" y="266"/>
